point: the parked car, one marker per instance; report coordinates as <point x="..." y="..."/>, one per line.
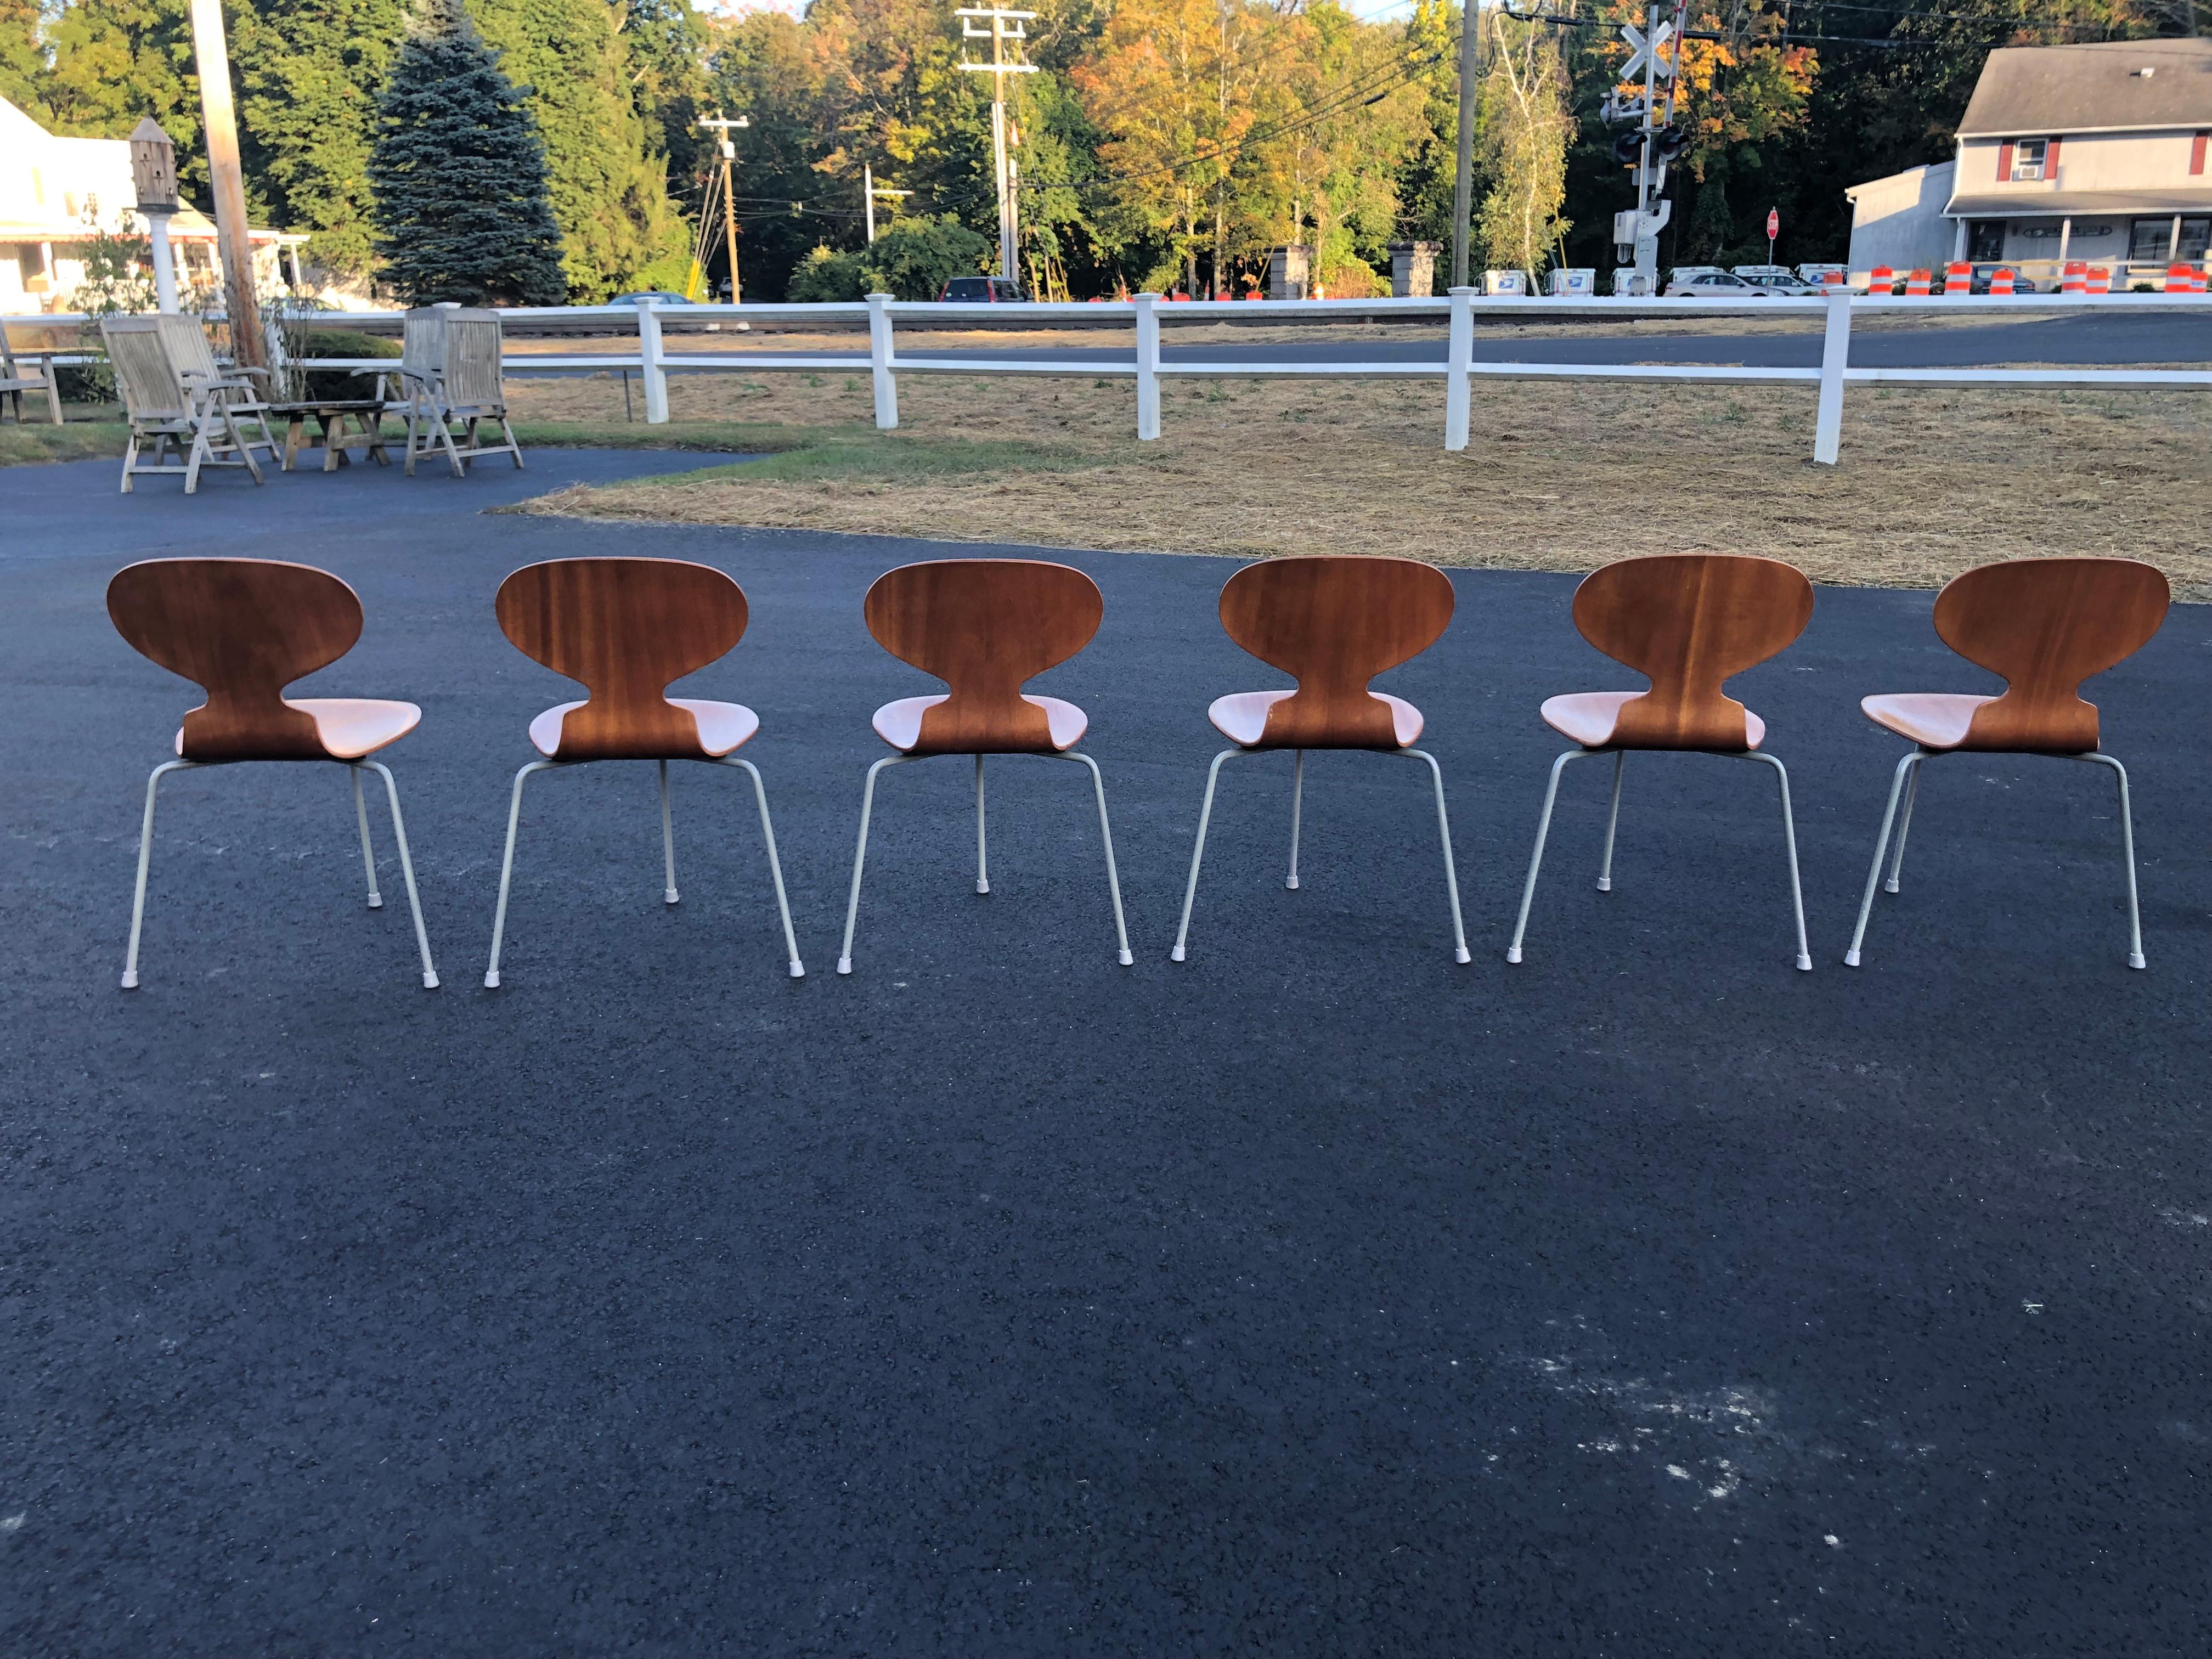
<point x="1980" y="284"/>
<point x="661" y="295"/>
<point x="1711" y="282"/>
<point x="1776" y="279"/>
<point x="982" y="290"/>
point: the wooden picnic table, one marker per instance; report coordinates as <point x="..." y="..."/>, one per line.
<point x="14" y="385"/>
<point x="331" y="415"/>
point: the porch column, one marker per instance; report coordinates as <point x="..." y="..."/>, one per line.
<point x="2065" y="235"/>
<point x="2173" y="242"/>
<point x="1958" y="245"/>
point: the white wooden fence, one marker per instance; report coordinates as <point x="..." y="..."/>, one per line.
<point x="881" y="316"/>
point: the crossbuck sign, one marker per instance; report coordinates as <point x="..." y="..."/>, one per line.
<point x="1646" y="54"/>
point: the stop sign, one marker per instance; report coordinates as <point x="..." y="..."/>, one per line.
<point x="1773" y="224"/>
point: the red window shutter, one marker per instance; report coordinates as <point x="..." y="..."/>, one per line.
<point x="2004" y="162"/>
<point x="2196" y="152"/>
<point x="2050" y="161"/>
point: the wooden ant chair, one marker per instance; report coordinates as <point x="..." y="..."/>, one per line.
<point x="1332" y="623"/>
<point x="243" y="629"/>
<point x="1687" y="622"/>
<point x="625" y="628"/>
<point x="2045" y="626"/>
<point x="985" y="628"/>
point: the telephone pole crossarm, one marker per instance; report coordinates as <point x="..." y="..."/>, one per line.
<point x="729" y="206"/>
<point x="1006" y="29"/>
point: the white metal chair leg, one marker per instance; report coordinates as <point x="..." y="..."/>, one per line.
<point x="1909" y="764"/>
<point x="667" y="840"/>
<point x="145" y="852"/>
<point x="1903" y="829"/>
<point x="1536" y="856"/>
<point x="983" y="854"/>
<point x="774" y="864"/>
<point x="2128" y="847"/>
<point x="860" y="857"/>
<point x="368" y="855"/>
<point x="506" y="869"/>
<point x="1451" y="873"/>
<point x="1113" y="876"/>
<point x="1297" y="801"/>
<point x="407" y="873"/>
<point x="1612" y="823"/>
<point x="1789" y="840"/>
<point x="1198" y="850"/>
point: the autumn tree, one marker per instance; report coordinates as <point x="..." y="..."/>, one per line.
<point x="1522" y="127"/>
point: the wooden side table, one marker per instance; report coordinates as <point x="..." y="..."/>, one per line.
<point x="367" y="414"/>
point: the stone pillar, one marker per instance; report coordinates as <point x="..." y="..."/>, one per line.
<point x="1290" y="271"/>
<point x="1413" y="269"/>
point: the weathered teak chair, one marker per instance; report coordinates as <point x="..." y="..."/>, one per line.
<point x="1332" y="624"/>
<point x="625" y="628"/>
<point x="194" y="421"/>
<point x="2044" y="626"/>
<point x="14" y="383"/>
<point x="450" y="369"/>
<point x="985" y="627"/>
<point x="243" y="629"/>
<point x="1687" y="622"/>
<point x="204" y="378"/>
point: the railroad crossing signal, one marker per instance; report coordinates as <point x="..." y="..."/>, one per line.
<point x="1644" y="54"/>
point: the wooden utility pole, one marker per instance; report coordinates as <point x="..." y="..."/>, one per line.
<point x="729" y="205"/>
<point x="1463" y="187"/>
<point x="1008" y="28"/>
<point x="220" y="118"/>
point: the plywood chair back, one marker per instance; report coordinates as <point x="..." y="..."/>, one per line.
<point x="626" y="630"/>
<point x="985" y="627"/>
<point x="1333" y="622"/>
<point x="1687" y="622"/>
<point x="2046" y="625"/>
<point x="472" y="360"/>
<point x="242" y="630"/>
<point x="152" y="390"/>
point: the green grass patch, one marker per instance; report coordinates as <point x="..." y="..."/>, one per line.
<point x="79" y="440"/>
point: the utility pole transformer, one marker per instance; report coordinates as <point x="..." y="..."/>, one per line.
<point x="212" y="56"/>
<point x="729" y="206"/>
<point x="1470" y="35"/>
<point x="1005" y="30"/>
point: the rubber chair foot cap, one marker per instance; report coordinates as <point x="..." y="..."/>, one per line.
<point x="668" y="897"/>
<point x="1291" y="882"/>
<point x="1804" y="962"/>
<point x="1889" y="886"/>
<point x="131" y="981"/>
<point x="1850" y="959"/>
<point x="376" y="900"/>
<point x="1462" y="954"/>
<point x="844" y="964"/>
<point x="491" y="981"/>
<point x="1175" y="955"/>
<point x="2136" y="959"/>
<point x="1605" y="883"/>
<point x="983" y="886"/>
<point x="797" y="969"/>
<point x="1129" y="960"/>
<point x="1513" y="955"/>
<point x="429" y="981"/>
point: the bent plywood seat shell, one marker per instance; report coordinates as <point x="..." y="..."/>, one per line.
<point x="243" y="629"/>
<point x="985" y="627"/>
<point x="626" y="630"/>
<point x="1333" y="622"/>
<point x="2044" y="626"/>
<point x="1687" y="622"/>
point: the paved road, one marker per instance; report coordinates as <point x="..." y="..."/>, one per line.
<point x="1317" y="1296"/>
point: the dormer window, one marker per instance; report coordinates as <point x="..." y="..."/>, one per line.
<point x="2027" y="160"/>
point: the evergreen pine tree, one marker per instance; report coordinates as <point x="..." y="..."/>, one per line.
<point x="458" y="174"/>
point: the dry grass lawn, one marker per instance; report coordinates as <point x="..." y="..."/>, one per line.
<point x="1559" y="475"/>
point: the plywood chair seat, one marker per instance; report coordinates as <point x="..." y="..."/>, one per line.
<point x="899" y="724"/>
<point x="1933" y="720"/>
<point x="724" y="728"/>
<point x="347" y="727"/>
<point x="1242" y="717"/>
<point x="1591" y="718"/>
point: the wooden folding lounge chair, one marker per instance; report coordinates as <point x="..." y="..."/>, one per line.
<point x="166" y="411"/>
<point x="1332" y="624"/>
<point x="1686" y="622"/>
<point x="243" y="629"/>
<point x="2045" y="626"/>
<point x="985" y="627"/>
<point x="450" y="371"/>
<point x="625" y="629"/>
<point x="186" y="338"/>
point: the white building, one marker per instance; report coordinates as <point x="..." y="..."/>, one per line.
<point x="54" y="191"/>
<point x="2095" y="152"/>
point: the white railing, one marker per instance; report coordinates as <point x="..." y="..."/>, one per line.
<point x="880" y="316"/>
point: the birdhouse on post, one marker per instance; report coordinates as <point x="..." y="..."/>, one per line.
<point x="154" y="170"/>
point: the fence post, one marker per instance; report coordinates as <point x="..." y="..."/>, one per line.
<point x="880" y="362"/>
<point x="1148" y="367"/>
<point x="1459" y="355"/>
<point x="1835" y="353"/>
<point x="648" y="352"/>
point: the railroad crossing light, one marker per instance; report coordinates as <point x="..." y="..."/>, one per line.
<point x="1628" y="147"/>
<point x="1668" y="142"/>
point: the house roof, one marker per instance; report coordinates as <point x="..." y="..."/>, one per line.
<point x="2016" y="204"/>
<point x="2025" y="91"/>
